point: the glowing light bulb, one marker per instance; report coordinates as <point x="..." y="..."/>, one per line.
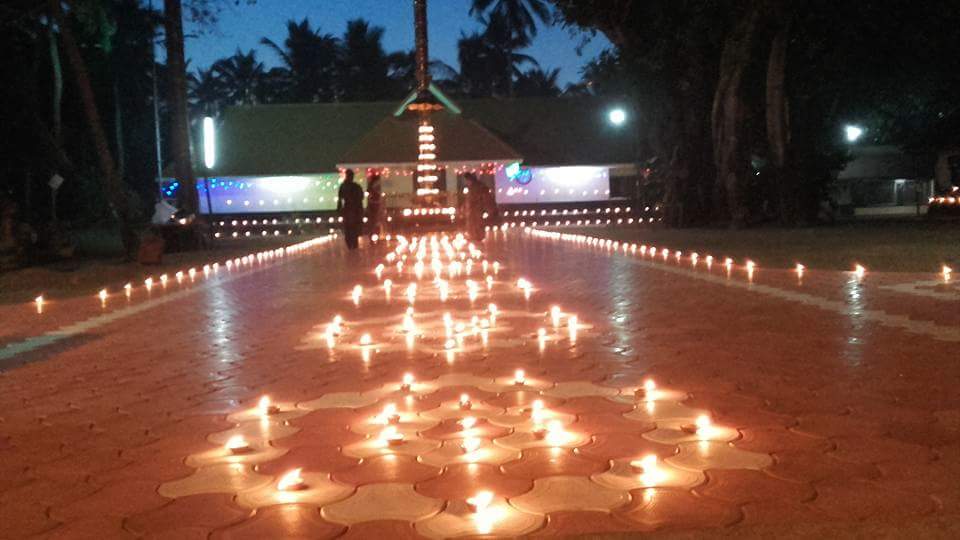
<point x="292" y="481"/>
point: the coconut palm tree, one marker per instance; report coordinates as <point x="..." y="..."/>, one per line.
<point x="242" y="77"/>
<point x="363" y="67"/>
<point x="489" y="61"/>
<point x="516" y="19"/>
<point x="310" y="60"/>
<point x="538" y="83"/>
<point x="205" y="92"/>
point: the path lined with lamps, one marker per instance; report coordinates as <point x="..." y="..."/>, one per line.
<point x="671" y="402"/>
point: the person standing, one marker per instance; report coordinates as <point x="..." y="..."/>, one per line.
<point x="375" y="208"/>
<point x="478" y="207"/>
<point x="350" y="208"/>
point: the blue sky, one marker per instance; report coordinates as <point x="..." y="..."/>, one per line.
<point x="243" y="26"/>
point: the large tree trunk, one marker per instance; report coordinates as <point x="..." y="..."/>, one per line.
<point x="730" y="156"/>
<point x="778" y="124"/>
<point x="177" y="103"/>
<point x="110" y="180"/>
<point x="57" y="76"/>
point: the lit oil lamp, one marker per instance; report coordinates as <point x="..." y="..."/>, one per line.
<point x="519" y="377"/>
<point x="238" y="445"/>
<point x="357" y="293"/>
<point x="127" y="289"/>
<point x="541" y="335"/>
<point x="489" y="281"/>
<point x="555" y="315"/>
<point x="480" y="501"/>
<point x="709" y="260"/>
<point x="493" y="310"/>
<point x="799" y="268"/>
<point x="647" y="392"/>
<point x="39" y="302"/>
<point x="412" y="292"/>
<point x="192" y="273"/>
<point x="645" y="465"/>
<point x="946" y="272"/>
<point x="470" y="444"/>
<point x="179" y="274"/>
<point x="468" y="422"/>
<point x="701" y="426"/>
<point x="379" y="270"/>
<point x="163" y="280"/>
<point x="409" y="326"/>
<point x="859" y="271"/>
<point x="694" y="257"/>
<point x="556" y="434"/>
<point x="389" y="415"/>
<point x="392" y="436"/>
<point x="266" y="407"/>
<point x="450" y="344"/>
<point x="387" y="286"/>
<point x="407" y="382"/>
<point x="465" y="404"/>
<point x="103" y="296"/>
<point x="292" y="481"/>
<point x="148" y="283"/>
<point x="728" y="262"/>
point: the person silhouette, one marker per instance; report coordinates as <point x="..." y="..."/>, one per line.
<point x="350" y="208"/>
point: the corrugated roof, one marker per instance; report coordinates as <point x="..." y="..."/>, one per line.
<point x="275" y="140"/>
<point x="293" y="139"/>
<point x="394" y="141"/>
<point x="558" y="131"/>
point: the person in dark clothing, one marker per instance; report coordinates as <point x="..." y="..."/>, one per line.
<point x="350" y="208"/>
<point x="479" y="207"/>
<point x="374" y="204"/>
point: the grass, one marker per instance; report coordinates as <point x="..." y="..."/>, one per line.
<point x="101" y="265"/>
<point x="887" y="246"/>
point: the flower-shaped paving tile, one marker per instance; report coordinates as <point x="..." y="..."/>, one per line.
<point x="559" y="493"/>
<point x="317" y="489"/>
<point x="482" y="451"/>
<point x="634" y="474"/>
<point x="382" y="501"/>
<point x="227" y="478"/>
<point x="497" y="519"/>
<point x="571" y="389"/>
<point x="703" y="455"/>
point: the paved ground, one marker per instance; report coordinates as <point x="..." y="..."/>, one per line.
<point x="833" y="401"/>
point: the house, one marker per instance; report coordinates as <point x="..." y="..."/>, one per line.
<point x="534" y="152"/>
<point x="883" y="180"/>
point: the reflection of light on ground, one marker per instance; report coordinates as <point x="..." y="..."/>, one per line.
<point x="487" y="519"/>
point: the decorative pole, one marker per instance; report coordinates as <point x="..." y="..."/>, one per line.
<point x="424" y="105"/>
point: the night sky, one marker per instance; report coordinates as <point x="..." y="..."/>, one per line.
<point x="243" y="27"/>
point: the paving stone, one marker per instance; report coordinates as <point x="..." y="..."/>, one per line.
<point x="202" y="512"/>
<point x="292" y="521"/>
<point x="566" y="493"/>
<point x="382" y="501"/>
<point x="658" y="508"/>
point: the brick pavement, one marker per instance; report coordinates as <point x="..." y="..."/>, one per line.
<point x="833" y="402"/>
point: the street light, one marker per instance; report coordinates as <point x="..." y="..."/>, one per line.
<point x="209" y="157"/>
<point x="853" y="133"/>
<point x="617" y="116"/>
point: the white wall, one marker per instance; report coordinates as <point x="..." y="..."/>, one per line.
<point x="555" y="185"/>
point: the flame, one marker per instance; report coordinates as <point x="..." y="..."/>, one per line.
<point x="519" y="377"/>
<point x="291" y="481"/>
<point x="480" y="501"/>
<point x="237" y="442"/>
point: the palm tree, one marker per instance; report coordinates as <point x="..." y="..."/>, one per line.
<point x="489" y="61"/>
<point x="310" y="60"/>
<point x="242" y="77"/>
<point x="517" y="19"/>
<point x="205" y="92"/>
<point x="363" y="64"/>
<point x="538" y="83"/>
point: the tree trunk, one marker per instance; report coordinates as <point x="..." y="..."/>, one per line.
<point x="730" y="156"/>
<point x="110" y="180"/>
<point x="778" y="124"/>
<point x="177" y="103"/>
<point x="56" y="115"/>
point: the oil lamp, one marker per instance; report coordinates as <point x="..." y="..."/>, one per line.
<point x="238" y="445"/>
<point x="292" y="481"/>
<point x="465" y="404"/>
<point x="480" y="501"/>
<point x="266" y="408"/>
<point x="407" y="382"/>
<point x="519" y="377"/>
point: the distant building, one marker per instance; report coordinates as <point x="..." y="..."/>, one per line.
<point x="884" y="181"/>
<point x="543" y="151"/>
